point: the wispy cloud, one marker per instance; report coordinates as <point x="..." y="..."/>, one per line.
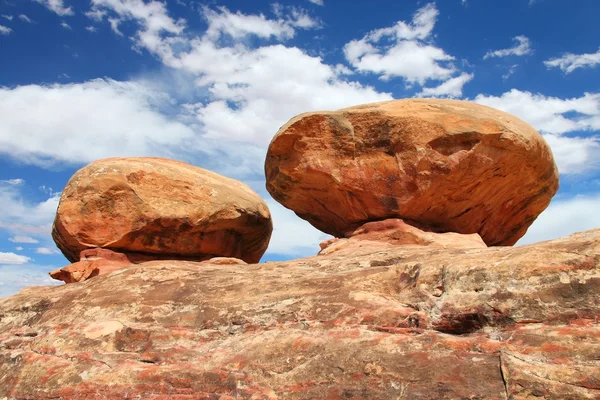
<point x="522" y="47"/>
<point x="13" y="259"/>
<point x="23" y="239"/>
<point x="56" y="6"/>
<point x="569" y="62"/>
<point x="25" y="18"/>
<point x="4" y="30"/>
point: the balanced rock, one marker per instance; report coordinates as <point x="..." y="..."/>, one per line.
<point x="454" y="166"/>
<point x="160" y="209"/>
<point x="411" y="322"/>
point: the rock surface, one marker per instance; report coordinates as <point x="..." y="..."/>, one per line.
<point x="395" y="232"/>
<point x="160" y="208"/>
<point x="406" y="322"/>
<point x="453" y="165"/>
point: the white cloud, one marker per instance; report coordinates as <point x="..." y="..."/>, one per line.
<point x="4" y="30"/>
<point x="13" y="279"/>
<point x="522" y="47"/>
<point x="547" y="113"/>
<point x="23" y="218"/>
<point x="292" y="236"/>
<point x="556" y="117"/>
<point x="91" y="29"/>
<point x="65" y="25"/>
<point x="56" y="6"/>
<point x="410" y="55"/>
<point x="23" y="239"/>
<point x="156" y="24"/>
<point x="17" y="181"/>
<point x="8" y="17"/>
<point x="18" y="248"/>
<point x="238" y="25"/>
<point x="317" y="2"/>
<point x="510" y="71"/>
<point x="563" y="217"/>
<point x="46" y="251"/>
<point x="569" y="62"/>
<point x="451" y="88"/>
<point x="43" y="125"/>
<point x="25" y="18"/>
<point x="13" y="259"/>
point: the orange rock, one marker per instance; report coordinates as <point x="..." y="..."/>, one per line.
<point x="160" y="209"/>
<point x="395" y="232"/>
<point x="453" y="165"/>
<point x="409" y="322"/>
<point x="92" y="262"/>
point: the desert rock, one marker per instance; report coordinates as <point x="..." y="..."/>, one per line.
<point x="162" y="209"/>
<point x="395" y="232"/>
<point x="455" y="166"/>
<point x="412" y="322"/>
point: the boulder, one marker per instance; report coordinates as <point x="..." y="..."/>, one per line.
<point x="410" y="322"/>
<point x="161" y="209"/>
<point x="454" y="166"/>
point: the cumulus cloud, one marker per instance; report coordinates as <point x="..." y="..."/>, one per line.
<point x="238" y="25"/>
<point x="23" y="239"/>
<point x="555" y="117"/>
<point x="569" y="62"/>
<point x="65" y="25"/>
<point x="13" y="259"/>
<point x="78" y="123"/>
<point x="5" y="30"/>
<point x="563" y="217"/>
<point x="410" y="54"/>
<point x="522" y="47"/>
<point x="8" y="17"/>
<point x="56" y="6"/>
<point x="451" y="88"/>
<point x="91" y="29"/>
<point x="317" y="2"/>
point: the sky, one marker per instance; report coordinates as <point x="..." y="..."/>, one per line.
<point x="211" y="82"/>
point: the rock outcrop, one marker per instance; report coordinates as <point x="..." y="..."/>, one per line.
<point x="163" y="209"/>
<point x="395" y="232"/>
<point x="454" y="166"/>
<point x="406" y="322"/>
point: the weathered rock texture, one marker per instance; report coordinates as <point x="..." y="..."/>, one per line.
<point x="405" y="323"/>
<point x="395" y="232"/>
<point x="453" y="165"/>
<point x="161" y="208"/>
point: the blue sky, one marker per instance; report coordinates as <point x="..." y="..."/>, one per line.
<point x="211" y="82"/>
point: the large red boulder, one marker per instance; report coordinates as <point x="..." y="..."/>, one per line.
<point x="162" y="209"/>
<point x="454" y="166"/>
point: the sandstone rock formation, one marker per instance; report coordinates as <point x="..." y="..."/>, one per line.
<point x="395" y="232"/>
<point x="453" y="165"/>
<point x="160" y="208"/>
<point x="406" y="322"/>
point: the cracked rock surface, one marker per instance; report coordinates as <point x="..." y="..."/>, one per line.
<point x="363" y="322"/>
<point x="455" y="166"/>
